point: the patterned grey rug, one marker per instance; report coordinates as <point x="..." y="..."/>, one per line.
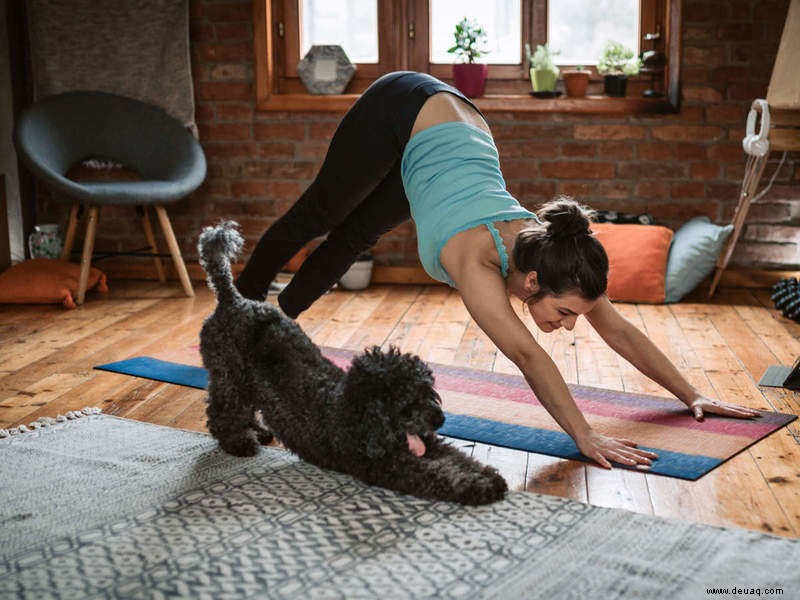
<point x="103" y="507"/>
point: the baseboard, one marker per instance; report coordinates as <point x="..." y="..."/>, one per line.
<point x="734" y="277"/>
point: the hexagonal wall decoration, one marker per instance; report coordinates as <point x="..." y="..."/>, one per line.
<point x="325" y="70"/>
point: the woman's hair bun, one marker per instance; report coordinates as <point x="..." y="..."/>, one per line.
<point x="566" y="218"/>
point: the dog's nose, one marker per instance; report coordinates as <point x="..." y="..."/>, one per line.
<point x="438" y="419"/>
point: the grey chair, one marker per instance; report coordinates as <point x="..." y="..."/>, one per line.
<point x="60" y="131"/>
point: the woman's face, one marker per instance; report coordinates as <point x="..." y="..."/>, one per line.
<point x="554" y="312"/>
<point x="549" y="312"/>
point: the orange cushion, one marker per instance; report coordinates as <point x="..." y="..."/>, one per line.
<point x="45" y="281"/>
<point x="637" y="257"/>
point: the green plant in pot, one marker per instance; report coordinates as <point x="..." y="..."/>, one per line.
<point x="616" y="64"/>
<point x="576" y="82"/>
<point x="544" y="72"/>
<point x="469" y="76"/>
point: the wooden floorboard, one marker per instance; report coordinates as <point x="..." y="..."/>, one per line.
<point x="723" y="347"/>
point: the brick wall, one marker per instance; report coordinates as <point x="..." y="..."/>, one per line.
<point x="672" y="166"/>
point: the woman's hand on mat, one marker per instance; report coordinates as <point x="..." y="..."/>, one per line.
<point x="603" y="449"/>
<point x="701" y="405"/>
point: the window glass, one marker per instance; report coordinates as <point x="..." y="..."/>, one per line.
<point x="351" y="24"/>
<point x="580" y="28"/>
<point x="501" y="19"/>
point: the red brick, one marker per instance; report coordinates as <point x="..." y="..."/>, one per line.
<point x="735" y="32"/>
<point x="201" y="32"/>
<point x="228" y="11"/>
<point x="275" y="150"/>
<point x="229" y="72"/>
<point x="579" y="150"/>
<point x="234" y="32"/>
<point x="735" y="172"/>
<point x="724" y="191"/>
<point x="765" y="255"/>
<point x="613" y="189"/>
<point x="532" y="132"/>
<point x="691" y="75"/>
<point x="224" y="90"/>
<point x="610" y="132"/>
<point x="692" y="93"/>
<point x="234" y="112"/>
<point x="284" y="190"/>
<point x="651" y="170"/>
<point x="531" y="150"/>
<point x="317" y="131"/>
<point x="272" y="131"/>
<point x="659" y="151"/>
<point x="519" y="169"/>
<point x="576" y="189"/>
<point x="725" y="113"/>
<point x="577" y="170"/>
<point x="691" y="151"/>
<point x="729" y="74"/>
<point x="229" y="149"/>
<point x="250" y="187"/>
<point x="312" y="150"/>
<point x="615" y="150"/>
<point x="225" y="131"/>
<point x="278" y="170"/>
<point x="223" y="52"/>
<point x="726" y="152"/>
<point x="681" y="133"/>
<point x="536" y="191"/>
<point x="704" y="57"/>
<point x="203" y="111"/>
<point x="680" y="211"/>
<point x="688" y="189"/>
<point x="704" y="170"/>
<point x="700" y="11"/>
<point x="651" y="190"/>
<point x="245" y="209"/>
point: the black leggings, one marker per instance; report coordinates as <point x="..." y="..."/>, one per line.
<point x="356" y="197"/>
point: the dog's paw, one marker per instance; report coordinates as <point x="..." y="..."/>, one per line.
<point x="488" y="487"/>
<point x="241" y="446"/>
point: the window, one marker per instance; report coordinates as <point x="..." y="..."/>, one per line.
<point x="385" y="35"/>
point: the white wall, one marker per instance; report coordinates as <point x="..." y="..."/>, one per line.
<point x="8" y="158"/>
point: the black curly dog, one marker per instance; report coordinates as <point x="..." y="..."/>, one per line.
<point x="376" y="422"/>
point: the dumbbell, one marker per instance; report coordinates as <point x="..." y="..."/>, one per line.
<point x="791" y="309"/>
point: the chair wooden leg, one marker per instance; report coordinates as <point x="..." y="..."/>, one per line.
<point x="69" y="240"/>
<point x="169" y="235"/>
<point x="86" y="258"/>
<point x="151" y="239"/>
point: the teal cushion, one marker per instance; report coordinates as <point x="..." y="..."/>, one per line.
<point x="693" y="255"/>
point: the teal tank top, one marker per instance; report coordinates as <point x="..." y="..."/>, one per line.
<point x="452" y="178"/>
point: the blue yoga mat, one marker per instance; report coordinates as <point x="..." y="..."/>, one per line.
<point x="464" y="427"/>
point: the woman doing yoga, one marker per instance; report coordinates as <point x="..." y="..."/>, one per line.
<point x="413" y="146"/>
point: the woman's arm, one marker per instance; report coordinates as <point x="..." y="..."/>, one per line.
<point x="635" y="347"/>
<point x="484" y="294"/>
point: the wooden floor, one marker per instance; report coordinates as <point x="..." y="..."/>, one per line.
<point x="47" y="354"/>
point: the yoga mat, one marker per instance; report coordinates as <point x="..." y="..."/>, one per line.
<point x="501" y="410"/>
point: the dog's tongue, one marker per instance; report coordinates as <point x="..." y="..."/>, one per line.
<point x="416" y="445"/>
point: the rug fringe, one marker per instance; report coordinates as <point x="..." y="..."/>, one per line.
<point x="43" y="422"/>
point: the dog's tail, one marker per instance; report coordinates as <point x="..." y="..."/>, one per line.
<point x="218" y="246"/>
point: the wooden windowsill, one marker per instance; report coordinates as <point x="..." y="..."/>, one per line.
<point x="488" y="103"/>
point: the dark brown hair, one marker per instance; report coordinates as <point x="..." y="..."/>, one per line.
<point x="566" y="256"/>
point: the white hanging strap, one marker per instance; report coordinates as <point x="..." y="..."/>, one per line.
<point x="757" y="144"/>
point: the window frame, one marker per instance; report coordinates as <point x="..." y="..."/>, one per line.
<point x="403" y="45"/>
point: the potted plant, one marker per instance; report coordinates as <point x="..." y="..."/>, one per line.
<point x="469" y="76"/>
<point x="616" y="64"/>
<point x="358" y="276"/>
<point x="576" y="81"/>
<point x="543" y="70"/>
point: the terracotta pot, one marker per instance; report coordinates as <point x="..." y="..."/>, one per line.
<point x="576" y="83"/>
<point x="470" y="78"/>
<point x="615" y="85"/>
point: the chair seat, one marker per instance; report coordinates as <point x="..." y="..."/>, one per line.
<point x="125" y="192"/>
<point x="59" y="131"/>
